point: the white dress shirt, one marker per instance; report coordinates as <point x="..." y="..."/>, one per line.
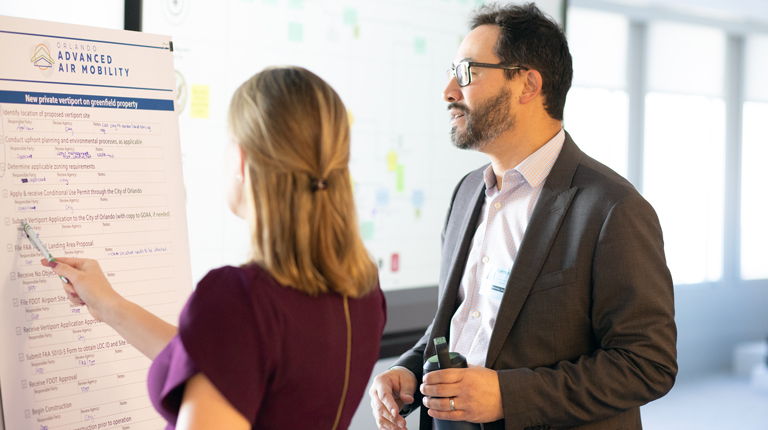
<point x="500" y="229"/>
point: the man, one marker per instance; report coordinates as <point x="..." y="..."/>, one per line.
<point x="553" y="279"/>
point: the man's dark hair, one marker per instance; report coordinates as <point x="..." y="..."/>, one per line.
<point x="532" y="39"/>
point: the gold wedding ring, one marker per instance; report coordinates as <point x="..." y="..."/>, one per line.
<point x="453" y="407"/>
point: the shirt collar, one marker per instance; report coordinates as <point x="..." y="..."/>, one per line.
<point x="535" y="168"/>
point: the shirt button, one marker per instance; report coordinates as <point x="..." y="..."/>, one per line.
<point x="497" y="205"/>
<point x="485" y="259"/>
<point x="475" y="314"/>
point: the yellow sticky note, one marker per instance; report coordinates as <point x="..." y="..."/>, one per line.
<point x="350" y="117"/>
<point x="200" y="101"/>
<point x="392" y="161"/>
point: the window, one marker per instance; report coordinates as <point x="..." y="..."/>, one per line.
<point x="597" y="108"/>
<point x="101" y="13"/>
<point x="684" y="147"/>
<point x="754" y="151"/>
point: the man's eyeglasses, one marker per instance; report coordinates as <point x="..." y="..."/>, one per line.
<point x="463" y="71"/>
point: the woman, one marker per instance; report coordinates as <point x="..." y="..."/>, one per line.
<point x="288" y="340"/>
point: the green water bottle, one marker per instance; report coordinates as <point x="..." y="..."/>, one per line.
<point x="447" y="360"/>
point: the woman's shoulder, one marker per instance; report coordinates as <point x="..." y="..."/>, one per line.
<point x="229" y="293"/>
<point x="234" y="281"/>
<point x="244" y="275"/>
<point x="250" y="288"/>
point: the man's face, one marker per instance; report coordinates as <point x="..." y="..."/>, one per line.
<point x="481" y="111"/>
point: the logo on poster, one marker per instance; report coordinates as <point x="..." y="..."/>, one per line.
<point x="40" y="57"/>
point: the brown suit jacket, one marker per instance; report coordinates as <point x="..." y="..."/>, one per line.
<point x="585" y="332"/>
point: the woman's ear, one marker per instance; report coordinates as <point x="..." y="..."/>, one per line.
<point x="236" y="178"/>
<point x="241" y="159"/>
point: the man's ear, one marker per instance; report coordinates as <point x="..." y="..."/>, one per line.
<point x="532" y="87"/>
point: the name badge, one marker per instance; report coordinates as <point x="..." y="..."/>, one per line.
<point x="494" y="281"/>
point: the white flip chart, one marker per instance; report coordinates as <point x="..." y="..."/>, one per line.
<point x="90" y="156"/>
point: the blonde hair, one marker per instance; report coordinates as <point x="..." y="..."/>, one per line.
<point x="293" y="130"/>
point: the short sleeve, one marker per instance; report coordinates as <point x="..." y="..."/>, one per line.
<point x="167" y="377"/>
<point x="228" y="340"/>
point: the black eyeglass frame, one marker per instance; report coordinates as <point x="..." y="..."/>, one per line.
<point x="452" y="71"/>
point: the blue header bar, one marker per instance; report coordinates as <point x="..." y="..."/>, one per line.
<point x="80" y="100"/>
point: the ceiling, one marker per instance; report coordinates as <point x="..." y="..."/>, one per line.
<point x="749" y="10"/>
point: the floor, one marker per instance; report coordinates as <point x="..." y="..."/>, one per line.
<point x="719" y="401"/>
<point x="713" y="402"/>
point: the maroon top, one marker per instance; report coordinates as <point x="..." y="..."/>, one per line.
<point x="278" y="355"/>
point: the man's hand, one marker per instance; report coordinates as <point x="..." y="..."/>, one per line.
<point x="389" y="392"/>
<point x="475" y="391"/>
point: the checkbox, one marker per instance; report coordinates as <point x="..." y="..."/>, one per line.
<point x="27" y="414"/>
<point x="15" y="303"/>
<point x="24" y="383"/>
<point x="18" y="331"/>
<point x="7" y="221"/>
<point x="10" y="247"/>
<point x="5" y="193"/>
<point x="21" y="357"/>
<point x="13" y="276"/>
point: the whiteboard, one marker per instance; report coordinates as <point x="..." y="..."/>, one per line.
<point x="387" y="61"/>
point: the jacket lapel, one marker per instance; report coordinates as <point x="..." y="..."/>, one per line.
<point x="472" y="203"/>
<point x="553" y="203"/>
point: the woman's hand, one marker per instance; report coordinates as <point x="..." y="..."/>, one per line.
<point x="87" y="285"/>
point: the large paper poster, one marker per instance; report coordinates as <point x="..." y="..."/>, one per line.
<point x="90" y="156"/>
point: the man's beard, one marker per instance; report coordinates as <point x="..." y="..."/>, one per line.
<point x="485" y="123"/>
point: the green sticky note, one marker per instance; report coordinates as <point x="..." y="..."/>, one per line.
<point x="479" y="2"/>
<point x="400" y="180"/>
<point x="350" y="16"/>
<point x="295" y="32"/>
<point x="296" y="4"/>
<point x="420" y="45"/>
<point x="366" y="230"/>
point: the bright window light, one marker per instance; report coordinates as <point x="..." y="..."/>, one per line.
<point x="598" y="43"/>
<point x="686" y="59"/>
<point x="597" y="108"/>
<point x="754" y="206"/>
<point x="684" y="177"/>
<point x="95" y="13"/>
<point x="597" y="118"/>
<point x="756" y="68"/>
